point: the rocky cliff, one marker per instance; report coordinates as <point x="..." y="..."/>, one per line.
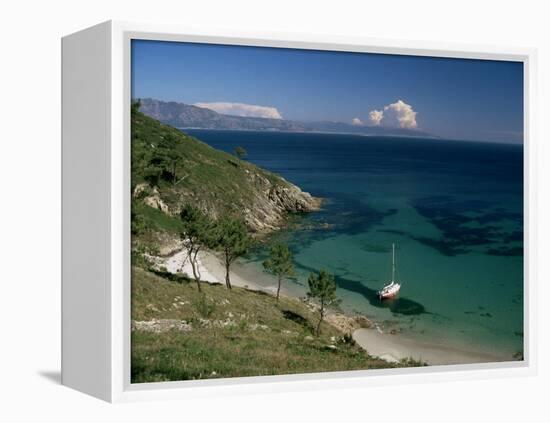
<point x="171" y="169"/>
<point x="273" y="202"/>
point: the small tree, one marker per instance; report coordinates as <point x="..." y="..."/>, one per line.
<point x="197" y="234"/>
<point x="232" y="239"/>
<point x="280" y="264"/>
<point x="168" y="157"/>
<point x="323" y="288"/>
<point x="173" y="162"/>
<point x="240" y="152"/>
<point x="152" y="173"/>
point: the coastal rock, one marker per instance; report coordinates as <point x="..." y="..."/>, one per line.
<point x="215" y="182"/>
<point x="156" y="202"/>
<point x="161" y="325"/>
<point x="150" y="196"/>
<point x="272" y="203"/>
<point x="265" y="211"/>
<point x="292" y="199"/>
<point x="206" y="323"/>
<point x="347" y="324"/>
<point x="362" y="321"/>
<point x="140" y="190"/>
<point x="255" y="326"/>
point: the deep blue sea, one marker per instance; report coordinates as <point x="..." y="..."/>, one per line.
<point x="454" y="210"/>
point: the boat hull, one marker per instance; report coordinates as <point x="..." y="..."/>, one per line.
<point x="387" y="296"/>
<point x="389" y="291"/>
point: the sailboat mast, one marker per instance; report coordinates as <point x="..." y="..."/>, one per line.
<point x="393" y="262"/>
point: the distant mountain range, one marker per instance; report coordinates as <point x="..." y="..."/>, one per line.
<point x="181" y="115"/>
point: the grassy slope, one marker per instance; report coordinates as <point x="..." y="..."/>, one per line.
<point x="229" y="186"/>
<point x="244" y="348"/>
<point x="210" y="179"/>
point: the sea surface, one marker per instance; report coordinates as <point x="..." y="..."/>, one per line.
<point x="453" y="209"/>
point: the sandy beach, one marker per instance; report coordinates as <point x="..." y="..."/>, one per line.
<point x="211" y="270"/>
<point x="394" y="347"/>
<point x="179" y="263"/>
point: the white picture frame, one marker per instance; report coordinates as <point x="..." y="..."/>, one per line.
<point x="96" y="214"/>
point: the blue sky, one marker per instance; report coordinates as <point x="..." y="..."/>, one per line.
<point x="452" y="98"/>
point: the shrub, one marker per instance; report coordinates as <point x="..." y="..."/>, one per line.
<point x="204" y="307"/>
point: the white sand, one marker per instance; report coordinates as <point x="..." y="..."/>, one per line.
<point x="216" y="267"/>
<point x="179" y="263"/>
<point x="396" y="347"/>
<point x="211" y="270"/>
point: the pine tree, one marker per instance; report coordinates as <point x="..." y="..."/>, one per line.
<point x="323" y="288"/>
<point x="280" y="264"/>
<point x="232" y="239"/>
<point x="196" y="235"/>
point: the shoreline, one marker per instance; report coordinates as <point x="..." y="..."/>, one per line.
<point x="396" y="347"/>
<point x="210" y="268"/>
<point x="387" y="346"/>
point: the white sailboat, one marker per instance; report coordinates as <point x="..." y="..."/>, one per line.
<point x="392" y="288"/>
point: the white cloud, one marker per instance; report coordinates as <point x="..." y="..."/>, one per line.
<point x="396" y="114"/>
<point x="242" y="109"/>
<point x="375" y="117"/>
<point x="401" y="112"/>
<point x="356" y="121"/>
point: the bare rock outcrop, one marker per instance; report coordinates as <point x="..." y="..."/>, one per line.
<point x="274" y="201"/>
<point x="151" y="197"/>
<point x="346" y="323"/>
<point x="161" y="325"/>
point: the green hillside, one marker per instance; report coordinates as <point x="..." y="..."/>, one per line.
<point x="180" y="334"/>
<point x="171" y="169"/>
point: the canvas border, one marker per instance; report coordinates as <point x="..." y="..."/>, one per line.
<point x="121" y="388"/>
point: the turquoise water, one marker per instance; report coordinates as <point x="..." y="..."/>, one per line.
<point x="453" y="209"/>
